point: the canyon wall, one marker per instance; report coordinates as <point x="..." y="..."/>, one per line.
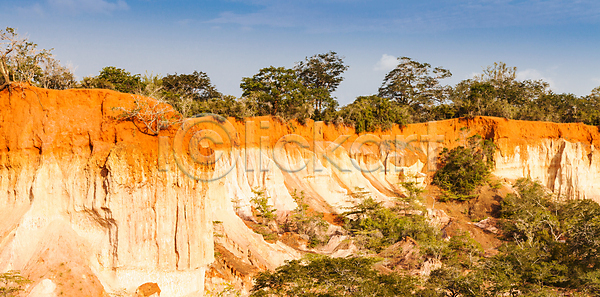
<point x="93" y="204"/>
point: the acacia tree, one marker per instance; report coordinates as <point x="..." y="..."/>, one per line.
<point x="21" y="60"/>
<point x="497" y="92"/>
<point x="196" y="86"/>
<point x="278" y="91"/>
<point x="414" y="84"/>
<point x="322" y="73"/>
<point x="9" y="42"/>
<point x="190" y="93"/>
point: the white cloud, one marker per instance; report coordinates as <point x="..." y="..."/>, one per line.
<point x="93" y="6"/>
<point x="596" y="80"/>
<point x="386" y="63"/>
<point x="534" y="74"/>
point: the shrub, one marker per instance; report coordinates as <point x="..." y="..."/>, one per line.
<point x="149" y="116"/>
<point x="305" y="222"/>
<point x="11" y="283"/>
<point x="462" y="169"/>
<point x="261" y="208"/>
<point x="376" y="227"/>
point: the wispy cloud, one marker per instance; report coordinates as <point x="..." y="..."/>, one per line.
<point x="86" y="6"/>
<point x="33" y="10"/>
<point x="352" y="16"/>
<point x="272" y="16"/>
<point x="386" y="63"/>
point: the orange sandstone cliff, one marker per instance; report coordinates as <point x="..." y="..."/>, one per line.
<point x="92" y="205"/>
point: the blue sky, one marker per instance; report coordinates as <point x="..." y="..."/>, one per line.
<point x="554" y="40"/>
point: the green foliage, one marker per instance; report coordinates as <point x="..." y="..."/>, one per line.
<point x="322" y="73"/>
<point x="227" y="291"/>
<point x="299" y="93"/>
<point x="196" y="86"/>
<point x="553" y="245"/>
<point x="193" y="94"/>
<point x="21" y="60"/>
<point x="370" y="113"/>
<point x="376" y="227"/>
<point x="114" y="78"/>
<point x="414" y="191"/>
<point x="551" y="249"/>
<point x="305" y="222"/>
<point x="497" y="92"/>
<point x="462" y="169"/>
<point x="324" y="276"/>
<point x="453" y="281"/>
<point x="414" y="84"/>
<point x="265" y="232"/>
<point x="226" y="105"/>
<point x="531" y="214"/>
<point x="11" y="283"/>
<point x="265" y="215"/>
<point x="279" y="92"/>
<point x="581" y="227"/>
<point x="261" y="207"/>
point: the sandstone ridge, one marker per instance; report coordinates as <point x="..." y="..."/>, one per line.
<point x="92" y="205"/>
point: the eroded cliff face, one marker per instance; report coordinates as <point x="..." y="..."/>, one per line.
<point x="80" y="189"/>
<point x="92" y="198"/>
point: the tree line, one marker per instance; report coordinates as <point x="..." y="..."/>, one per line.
<point x="412" y="92"/>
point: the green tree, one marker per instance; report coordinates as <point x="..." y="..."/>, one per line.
<point x="414" y="84"/>
<point x="196" y="86"/>
<point x="261" y="207"/>
<point x="581" y="220"/>
<point x="279" y="92"/>
<point x="52" y="75"/>
<point x="305" y="222"/>
<point x="322" y="72"/>
<point x="376" y="227"/>
<point x="588" y="109"/>
<point x="462" y="169"/>
<point x="369" y="113"/>
<point x="121" y="80"/>
<point x="192" y="94"/>
<point x="228" y="106"/>
<point x="497" y="92"/>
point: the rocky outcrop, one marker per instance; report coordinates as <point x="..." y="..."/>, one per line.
<point x="83" y="193"/>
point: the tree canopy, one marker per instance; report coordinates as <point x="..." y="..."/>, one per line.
<point x="196" y="86"/>
<point x="279" y="92"/>
<point x="415" y="84"/>
<point x="323" y="74"/>
<point x="369" y="113"/>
